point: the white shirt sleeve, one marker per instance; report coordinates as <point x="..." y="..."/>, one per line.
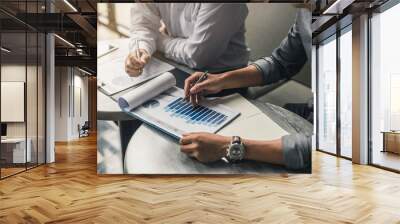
<point x="145" y="24"/>
<point x="214" y="28"/>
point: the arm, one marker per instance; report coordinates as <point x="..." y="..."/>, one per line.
<point x="145" y="22"/>
<point x="215" y="25"/>
<point x="292" y="151"/>
<point x="286" y="60"/>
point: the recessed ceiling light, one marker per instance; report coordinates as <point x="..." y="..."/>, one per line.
<point x="84" y="71"/>
<point x="337" y="7"/>
<point x="70" y="5"/>
<point x="64" y="40"/>
<point x="5" y="50"/>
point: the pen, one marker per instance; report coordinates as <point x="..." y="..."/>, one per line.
<point x="202" y="78"/>
<point x="138" y="52"/>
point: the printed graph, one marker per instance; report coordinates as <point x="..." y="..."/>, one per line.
<point x="200" y="115"/>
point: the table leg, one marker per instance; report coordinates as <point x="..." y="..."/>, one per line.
<point x="126" y="129"/>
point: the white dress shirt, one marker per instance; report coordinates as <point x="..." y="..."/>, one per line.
<point x="204" y="36"/>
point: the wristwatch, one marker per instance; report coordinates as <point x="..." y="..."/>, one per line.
<point x="236" y="150"/>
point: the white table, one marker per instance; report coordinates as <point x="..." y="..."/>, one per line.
<point x="16" y="147"/>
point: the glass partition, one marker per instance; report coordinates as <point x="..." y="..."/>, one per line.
<point x="14" y="153"/>
<point x="32" y="98"/>
<point x="22" y="77"/>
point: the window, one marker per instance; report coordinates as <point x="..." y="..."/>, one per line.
<point x="346" y="92"/>
<point x="385" y="88"/>
<point x="327" y="95"/>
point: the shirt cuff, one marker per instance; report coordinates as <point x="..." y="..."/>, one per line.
<point x="297" y="152"/>
<point x="264" y="66"/>
<point x="142" y="45"/>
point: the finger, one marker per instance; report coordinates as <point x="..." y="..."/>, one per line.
<point x="186" y="88"/>
<point x="197" y="99"/>
<point x="189" y="138"/>
<point x="190" y="148"/>
<point x="192" y="99"/>
<point x="144" y="58"/>
<point x="200" y="87"/>
<point x="133" y="72"/>
<point x="185" y="140"/>
<point x="137" y="63"/>
<point x="189" y="83"/>
<point x="132" y="67"/>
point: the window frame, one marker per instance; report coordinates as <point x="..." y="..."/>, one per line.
<point x="339" y="32"/>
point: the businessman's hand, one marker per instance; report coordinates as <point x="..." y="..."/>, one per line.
<point x="134" y="65"/>
<point x="205" y="147"/>
<point x="213" y="84"/>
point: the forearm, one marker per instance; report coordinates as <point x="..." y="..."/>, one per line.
<point x="145" y="21"/>
<point x="244" y="77"/>
<point x="264" y="151"/>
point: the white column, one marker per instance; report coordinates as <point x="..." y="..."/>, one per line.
<point x="360" y="90"/>
<point x="50" y="99"/>
<point x="50" y="92"/>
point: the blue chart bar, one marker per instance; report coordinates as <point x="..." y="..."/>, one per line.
<point x="194" y="115"/>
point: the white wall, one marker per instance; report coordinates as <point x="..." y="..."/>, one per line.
<point x="61" y="103"/>
<point x="68" y="82"/>
<point x="266" y="26"/>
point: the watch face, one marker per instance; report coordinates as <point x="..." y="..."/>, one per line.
<point x="236" y="151"/>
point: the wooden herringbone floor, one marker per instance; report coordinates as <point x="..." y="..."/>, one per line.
<point x="70" y="191"/>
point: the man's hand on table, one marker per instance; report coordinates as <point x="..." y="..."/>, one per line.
<point x="205" y="147"/>
<point x="134" y="65"/>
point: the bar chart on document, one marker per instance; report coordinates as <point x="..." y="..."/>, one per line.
<point x="177" y="116"/>
<point x="199" y="115"/>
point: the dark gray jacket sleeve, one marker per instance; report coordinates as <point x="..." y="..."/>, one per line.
<point x="286" y="60"/>
<point x="297" y="151"/>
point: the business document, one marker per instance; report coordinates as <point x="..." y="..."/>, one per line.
<point x="112" y="77"/>
<point x="171" y="113"/>
<point x="162" y="105"/>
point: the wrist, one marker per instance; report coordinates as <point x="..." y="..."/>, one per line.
<point x="224" y="145"/>
<point x="224" y="80"/>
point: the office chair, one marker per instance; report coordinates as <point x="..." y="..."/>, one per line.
<point x="84" y="130"/>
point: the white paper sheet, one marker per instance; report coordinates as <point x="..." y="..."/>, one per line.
<point x="147" y="91"/>
<point x="112" y="77"/>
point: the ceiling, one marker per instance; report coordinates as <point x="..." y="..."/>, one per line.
<point x="330" y="16"/>
<point x="72" y="20"/>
